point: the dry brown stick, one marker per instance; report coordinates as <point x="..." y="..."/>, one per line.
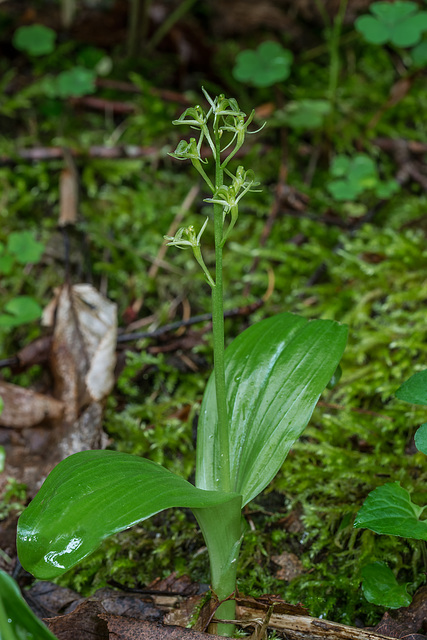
<point x="103" y="104"/>
<point x="205" y="317"/>
<point x="36" y="154"/>
<point x="308" y="628"/>
<point x="128" y="87"/>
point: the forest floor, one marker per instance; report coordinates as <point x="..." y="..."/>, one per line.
<point x="338" y="231"/>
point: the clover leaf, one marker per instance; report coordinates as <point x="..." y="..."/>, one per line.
<point x="400" y="23"/>
<point x="419" y="54"/>
<point x="36" y="40"/>
<point x="75" y="82"/>
<point x="268" y="64"/>
<point x="306" y="114"/>
<point x="354" y="176"/>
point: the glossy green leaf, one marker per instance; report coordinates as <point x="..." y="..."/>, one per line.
<point x="275" y="372"/>
<point x="91" y="495"/>
<point x="389" y="510"/>
<point x="380" y="587"/>
<point x="414" y="389"/>
<point x="421" y="438"/>
<point x="17" y="621"/>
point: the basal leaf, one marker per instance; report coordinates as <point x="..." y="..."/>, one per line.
<point x="380" y="587"/>
<point x="275" y="372"/>
<point x="17" y="621"/>
<point x="389" y="510"/>
<point x="414" y="389"/>
<point x="91" y="495"/>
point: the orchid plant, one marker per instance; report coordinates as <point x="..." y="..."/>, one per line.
<point x="258" y="400"/>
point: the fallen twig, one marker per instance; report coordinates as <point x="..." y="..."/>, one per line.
<point x="173" y="326"/>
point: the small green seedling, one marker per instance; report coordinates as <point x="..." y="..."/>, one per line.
<point x="21" y="249"/>
<point x="356" y="175"/>
<point x="400" y="23"/>
<point x="389" y="510"/>
<point x="257" y="402"/>
<point x="79" y="80"/>
<point x="268" y="64"/>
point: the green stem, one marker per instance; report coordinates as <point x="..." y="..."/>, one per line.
<point x="222" y="530"/>
<point x="224" y="483"/>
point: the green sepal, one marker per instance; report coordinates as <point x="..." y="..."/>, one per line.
<point x="91" y="495"/>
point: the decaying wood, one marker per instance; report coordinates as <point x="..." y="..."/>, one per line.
<point x="165" y="607"/>
<point x="308" y="628"/>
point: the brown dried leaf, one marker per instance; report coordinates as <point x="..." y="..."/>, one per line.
<point x="129" y="629"/>
<point x="83" y="348"/>
<point x="84" y="623"/>
<point x="291" y="566"/>
<point x="47" y="599"/>
<point x="174" y="585"/>
<point x="25" y="408"/>
<point x="407" y="621"/>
